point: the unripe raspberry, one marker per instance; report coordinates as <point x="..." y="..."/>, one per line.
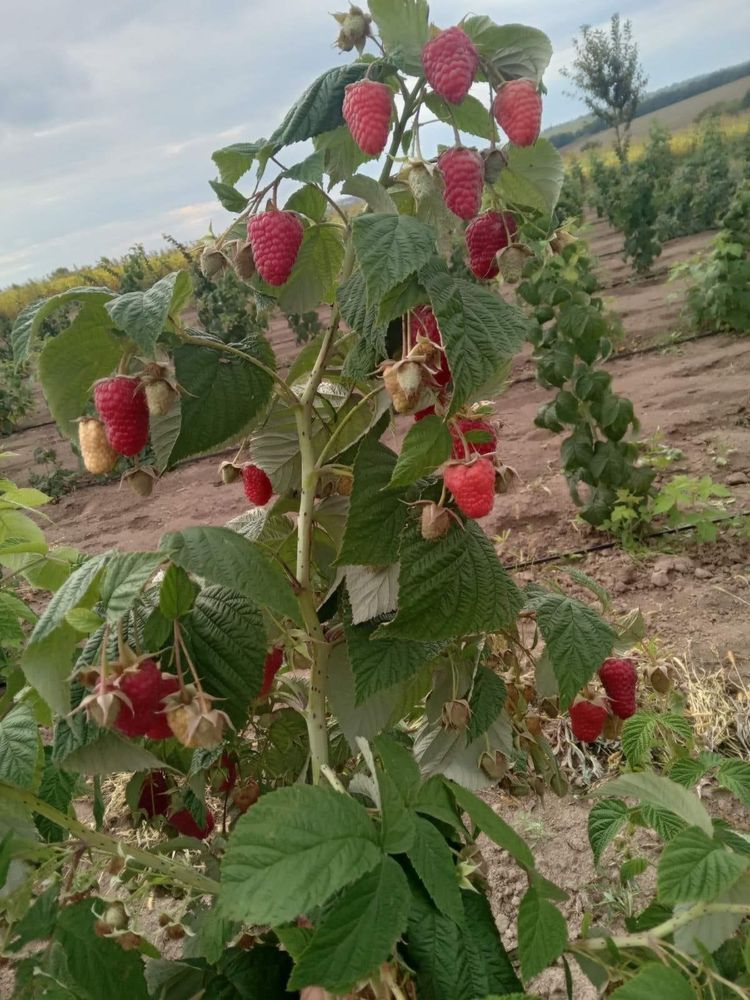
<point x="355" y="29"/>
<point x="456" y="714"/>
<point x="213" y="263"/>
<point x="518" y="111"/>
<point x="99" y="457"/>
<point x="257" y="485"/>
<point x="450" y="61"/>
<point x="463" y="178"/>
<point x="436" y="521"/>
<point x="275" y="238"/>
<point x="140" y="480"/>
<point x="472" y="486"/>
<point x="485" y="237"/>
<point x="512" y="261"/>
<point x="121" y="403"/>
<point x="367" y="111"/>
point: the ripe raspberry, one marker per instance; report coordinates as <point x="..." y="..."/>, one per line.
<point x="485" y="237"/>
<point x="258" y="488"/>
<point x="159" y="728"/>
<point x="228" y="772"/>
<point x="480" y="438"/>
<point x="518" y="111"/>
<point x="428" y="411"/>
<point x="587" y="719"/>
<point x="367" y="111"/>
<point x="472" y="486"/>
<point x="270" y="668"/>
<point x="463" y="179"/>
<point x="141" y="685"/>
<point x="184" y="823"/>
<point x="619" y="678"/>
<point x="275" y="238"/>
<point x="423" y="323"/>
<point x="98" y="455"/>
<point x="450" y="62"/>
<point x="122" y="406"/>
<point x="154" y="798"/>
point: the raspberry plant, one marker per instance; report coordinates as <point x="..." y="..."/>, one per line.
<point x="341" y="665"/>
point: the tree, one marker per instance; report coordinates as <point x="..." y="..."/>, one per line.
<point x="606" y="69"/>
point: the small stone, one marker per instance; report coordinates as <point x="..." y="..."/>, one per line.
<point x="664" y="564"/>
<point x="737" y="479"/>
<point x="619" y="587"/>
<point x="660" y="578"/>
<point x="683" y="564"/>
<point x="702" y="573"/>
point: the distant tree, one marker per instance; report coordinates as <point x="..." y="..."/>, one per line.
<point x="607" y="71"/>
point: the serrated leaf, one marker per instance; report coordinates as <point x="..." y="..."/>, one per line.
<point x="403" y="26"/>
<point x="263" y="971"/>
<point x="227" y="638"/>
<point x="660" y="792"/>
<point x="342" y="154"/>
<point x="370" y="191"/>
<point x="309" y="170"/>
<point x="397" y="820"/>
<point x="234" y="161"/>
<point x="378" y="664"/>
<point x="372" y="590"/>
<point x="108" y="753"/>
<point x="319" y="108"/>
<point x="83" y="620"/>
<point x="606" y="819"/>
<point x="389" y="248"/>
<point x="19" y="747"/>
<point x="452" y="586"/>
<point x="542" y="933"/>
<point x="533" y="176"/>
<point x="433" y="862"/>
<point x="637" y="737"/>
<point x="666" y="823"/>
<point x="226" y="558"/>
<point x="124" y="578"/>
<point x="313" y="279"/>
<point x="231" y="199"/>
<point x="735" y="775"/>
<point x="487" y="699"/>
<point x="376" y="515"/>
<point x="309" y="201"/>
<point x="177" y="593"/>
<point x="687" y="772"/>
<point x="710" y="931"/>
<point x="71" y="362"/>
<point x="514" y="50"/>
<point x="30" y="319"/>
<point x="694" y="866"/>
<point x="632" y="869"/>
<point x="143" y="315"/>
<point x="399" y="763"/>
<point x="427" y="445"/>
<point x="495" y="828"/>
<point x="654" y="979"/>
<point x="56" y="789"/>
<point x="369" y="348"/>
<point x="469" y="116"/>
<point x="223" y="394"/>
<point x="480" y="331"/>
<point x="292" y="851"/>
<point x="577" y="639"/>
<point x="358" y="932"/>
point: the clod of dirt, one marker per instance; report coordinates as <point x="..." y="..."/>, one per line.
<point x="660" y="578"/>
<point x="682" y="564"/>
<point x="702" y="573"/>
<point x="737" y="479"/>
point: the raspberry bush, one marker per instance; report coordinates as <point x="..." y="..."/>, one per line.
<point x="309" y="698"/>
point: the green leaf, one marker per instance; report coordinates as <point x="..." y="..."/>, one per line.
<point x="426" y="446"/>
<point x="358" y="932"/>
<point x="342" y="154"/>
<point x="495" y="828"/>
<point x="708" y="932"/>
<point x="109" y="753"/>
<point x="469" y="116"/>
<point x="397" y="820"/>
<point x="72" y="361"/>
<point x="234" y="161"/>
<point x="451" y="587"/>
<point x="224" y="557"/>
<point x="77" y="591"/>
<point x="83" y="620"/>
<point x="480" y="330"/>
<point x="400" y="300"/>
<point x="363" y="319"/>
<point x="223" y="394"/>
<point x="389" y="248"/>
<point x="376" y="515"/>
<point x="665" y="822"/>
<point x="432" y="860"/>
<point x="19" y="747"/>
<point x="577" y="639"/>
<point x="39" y="920"/>
<point x="56" y="789"/>
<point x="124" y="578"/>
<point x="399" y="763"/>
<point x="735" y="775"/>
<point x="313" y="279"/>
<point x="177" y="593"/>
<point x="30" y="319"/>
<point x="380" y="664"/>
<point x="514" y="50"/>
<point x="660" y="792"/>
<point x="309" y="201"/>
<point x="319" y="108"/>
<point x="404" y="29"/>
<point x="309" y="170"/>
<point x="637" y="738"/>
<point x="631" y="869"/>
<point x="143" y="315"/>
<point x="655" y="979"/>
<point x="486" y="702"/>
<point x="694" y="866"/>
<point x="231" y="199"/>
<point x="372" y="590"/>
<point x="542" y="933"/>
<point x="606" y="819"/>
<point x="433" y="798"/>
<point x="370" y="191"/>
<point x="533" y="177"/>
<point x="227" y="638"/>
<point x="292" y="851"/>
<point x="257" y="974"/>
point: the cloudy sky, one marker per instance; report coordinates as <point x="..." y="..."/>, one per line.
<point x="110" y="109"/>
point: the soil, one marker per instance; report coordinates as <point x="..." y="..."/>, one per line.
<point x="692" y="396"/>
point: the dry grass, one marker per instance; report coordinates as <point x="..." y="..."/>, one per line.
<point x="717" y="701"/>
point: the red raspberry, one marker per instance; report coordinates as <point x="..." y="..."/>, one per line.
<point x="472" y="486"/>
<point x="275" y="238"/>
<point x="619" y="678"/>
<point x="518" y="111"/>
<point x="473" y="429"/>
<point x="450" y="62"/>
<point x="142" y="687"/>
<point x="159" y="729"/>
<point x="270" y="668"/>
<point x="428" y="411"/>
<point x="258" y="488"/>
<point x="463" y="179"/>
<point x="184" y="823"/>
<point x="587" y="719"/>
<point x="154" y="798"/>
<point x="424" y="324"/>
<point x="367" y="111"/>
<point x="228" y="771"/>
<point x="121" y="403"/>
<point x="485" y="237"/>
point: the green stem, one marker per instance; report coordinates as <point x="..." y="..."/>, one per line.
<point x="410" y="104"/>
<point x="179" y="873"/>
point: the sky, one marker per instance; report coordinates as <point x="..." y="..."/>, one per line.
<point x="110" y="109"/>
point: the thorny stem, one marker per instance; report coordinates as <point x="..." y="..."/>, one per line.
<point x="182" y="874"/>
